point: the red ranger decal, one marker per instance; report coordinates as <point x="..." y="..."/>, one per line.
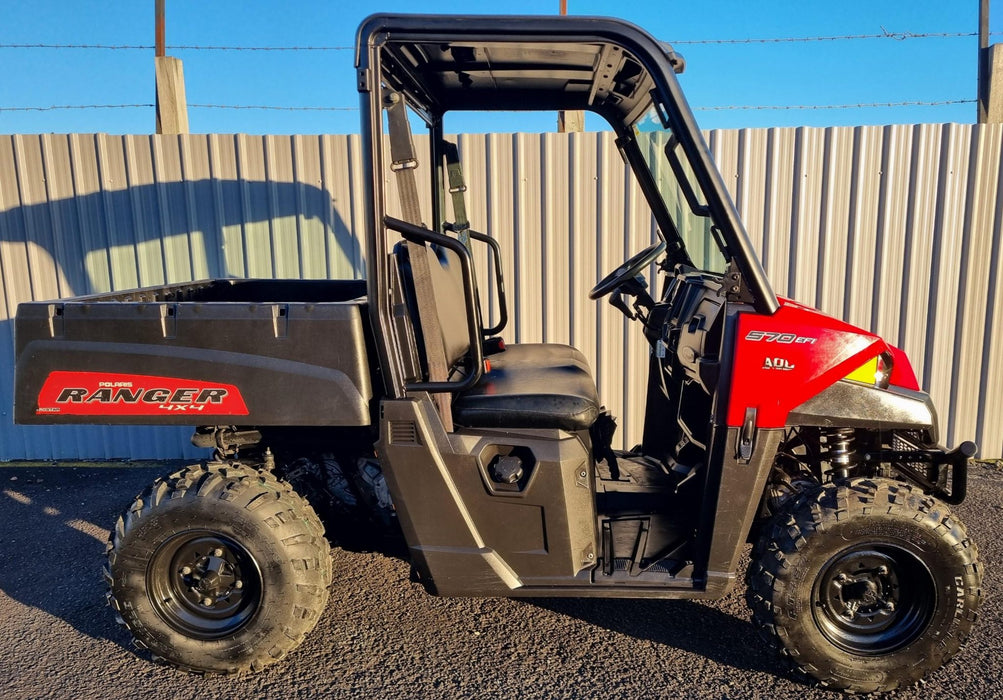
<point x="103" y="394"/>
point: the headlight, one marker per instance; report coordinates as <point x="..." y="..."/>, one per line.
<point x="883" y="374"/>
<point x="877" y="371"/>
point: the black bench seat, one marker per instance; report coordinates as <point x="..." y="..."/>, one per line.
<point x="529" y="386"/>
<point x="532" y="385"/>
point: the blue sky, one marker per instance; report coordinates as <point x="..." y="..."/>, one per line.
<point x="816" y="73"/>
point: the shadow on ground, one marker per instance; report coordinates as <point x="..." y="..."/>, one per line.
<point x="695" y="627"/>
<point x="53" y="540"/>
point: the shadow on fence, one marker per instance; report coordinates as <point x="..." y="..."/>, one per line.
<point x="150" y="235"/>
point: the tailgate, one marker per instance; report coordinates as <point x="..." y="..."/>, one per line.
<point x="192" y="363"/>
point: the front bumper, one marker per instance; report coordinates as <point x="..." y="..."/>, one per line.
<point x="942" y="473"/>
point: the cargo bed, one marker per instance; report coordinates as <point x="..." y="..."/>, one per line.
<point x="241" y="352"/>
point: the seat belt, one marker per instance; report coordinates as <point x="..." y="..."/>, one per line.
<point x="461" y="225"/>
<point x="403" y="164"/>
<point x="454" y="173"/>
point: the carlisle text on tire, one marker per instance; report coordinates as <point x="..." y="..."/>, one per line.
<point x="867" y="586"/>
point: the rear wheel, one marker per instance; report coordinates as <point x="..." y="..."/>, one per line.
<point x="866" y="586"/>
<point x="218" y="568"/>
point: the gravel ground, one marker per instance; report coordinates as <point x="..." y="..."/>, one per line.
<point x="382" y="636"/>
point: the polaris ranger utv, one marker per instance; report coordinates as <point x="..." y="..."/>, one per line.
<point x="391" y="403"/>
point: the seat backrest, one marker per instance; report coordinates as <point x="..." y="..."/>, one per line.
<point x="450" y="301"/>
<point x="447" y="284"/>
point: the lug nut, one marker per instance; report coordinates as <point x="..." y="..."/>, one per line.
<point x="207" y="602"/>
<point x="882" y="570"/>
<point x="217" y="552"/>
<point x="890" y="606"/>
<point x="238" y="584"/>
<point x="185" y="570"/>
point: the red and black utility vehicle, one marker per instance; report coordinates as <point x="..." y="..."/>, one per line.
<point x="391" y="405"/>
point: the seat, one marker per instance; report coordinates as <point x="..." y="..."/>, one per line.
<point x="539" y="354"/>
<point x="529" y="385"/>
<point x="518" y="394"/>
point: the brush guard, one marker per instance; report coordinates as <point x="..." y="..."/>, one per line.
<point x="941" y="467"/>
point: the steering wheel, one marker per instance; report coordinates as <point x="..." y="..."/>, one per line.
<point x="627" y="271"/>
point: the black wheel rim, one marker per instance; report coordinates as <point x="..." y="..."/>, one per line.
<point x="204" y="584"/>
<point x="874" y="599"/>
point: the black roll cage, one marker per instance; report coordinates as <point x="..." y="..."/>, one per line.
<point x="656" y="58"/>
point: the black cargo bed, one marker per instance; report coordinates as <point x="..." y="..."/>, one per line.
<point x="243" y="352"/>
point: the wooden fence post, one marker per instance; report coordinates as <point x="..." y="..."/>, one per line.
<point x="172" y="106"/>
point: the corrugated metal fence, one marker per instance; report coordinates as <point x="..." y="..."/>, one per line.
<point x="896" y="229"/>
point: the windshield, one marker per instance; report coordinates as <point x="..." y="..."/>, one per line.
<point x="680" y="191"/>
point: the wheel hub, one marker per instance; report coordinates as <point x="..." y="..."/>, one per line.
<point x="214" y="576"/>
<point x="863" y="588"/>
<point x="204" y="584"/>
<point x="861" y="606"/>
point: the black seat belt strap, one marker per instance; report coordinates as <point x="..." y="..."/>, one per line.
<point x="403" y="164"/>
<point x="457" y="190"/>
<point x="461" y="225"/>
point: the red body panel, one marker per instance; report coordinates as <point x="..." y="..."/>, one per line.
<point x="106" y="394"/>
<point x="783" y="360"/>
<point x="902" y="373"/>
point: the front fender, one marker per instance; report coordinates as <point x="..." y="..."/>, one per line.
<point x="849" y="404"/>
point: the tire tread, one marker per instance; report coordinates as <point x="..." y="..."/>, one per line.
<point x="776" y="553"/>
<point x="294" y="521"/>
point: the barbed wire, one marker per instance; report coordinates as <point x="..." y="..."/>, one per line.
<point x="290" y="108"/>
<point x="277" y="107"/>
<point x="184" y="47"/>
<point x="174" y="47"/>
<point x="884" y="34"/>
<point x="297" y="108"/>
<point x="56" y="107"/>
<point x="860" y="105"/>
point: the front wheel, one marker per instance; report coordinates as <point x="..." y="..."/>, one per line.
<point x="218" y="568"/>
<point x="866" y="586"/>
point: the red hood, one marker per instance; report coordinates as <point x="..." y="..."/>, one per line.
<point x="785" y="359"/>
<point x="902" y="371"/>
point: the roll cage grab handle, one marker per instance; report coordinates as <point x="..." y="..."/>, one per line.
<point x="499" y="282"/>
<point x="422" y="235"/>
